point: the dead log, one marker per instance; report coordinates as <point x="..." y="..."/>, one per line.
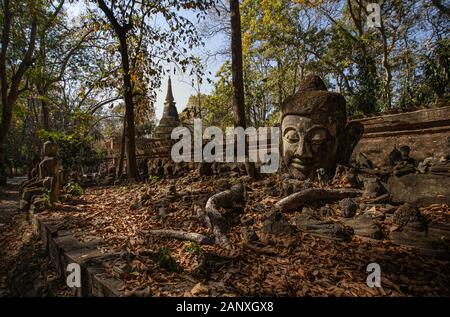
<point x="224" y="199"/>
<point x="183" y="235"/>
<point x="301" y="198"/>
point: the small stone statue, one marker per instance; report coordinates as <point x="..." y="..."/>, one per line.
<point x="406" y="164"/>
<point x="46" y="180"/>
<point x="49" y="170"/>
<point x="394" y="156"/>
<point x="315" y="130"/>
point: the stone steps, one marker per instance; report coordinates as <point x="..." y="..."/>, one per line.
<point x="63" y="249"/>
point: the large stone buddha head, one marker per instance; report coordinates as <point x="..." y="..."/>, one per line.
<point x="315" y="131"/>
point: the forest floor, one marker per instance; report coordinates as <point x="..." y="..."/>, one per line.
<point x="294" y="264"/>
<point x="25" y="269"/>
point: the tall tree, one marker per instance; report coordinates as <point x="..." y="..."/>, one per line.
<point x="237" y="73"/>
<point x="121" y="30"/>
<point x="136" y="34"/>
<point x="236" y="65"/>
<point x="10" y="79"/>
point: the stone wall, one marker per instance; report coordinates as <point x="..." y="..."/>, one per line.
<point x="424" y="131"/>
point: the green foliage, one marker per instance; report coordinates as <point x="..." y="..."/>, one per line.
<point x="217" y="108"/>
<point x="73" y="188"/>
<point x="165" y="260"/>
<point x="193" y="248"/>
<point x="376" y="69"/>
<point x="365" y="100"/>
<point x="75" y="149"/>
<point x="46" y="197"/>
<point x="436" y="68"/>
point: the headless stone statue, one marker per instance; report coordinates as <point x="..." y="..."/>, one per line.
<point x="315" y="130"/>
<point x="46" y="180"/>
<point x="49" y="170"/>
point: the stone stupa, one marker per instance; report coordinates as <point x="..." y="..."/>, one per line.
<point x="170" y="119"/>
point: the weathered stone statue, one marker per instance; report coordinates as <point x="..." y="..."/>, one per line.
<point x="315" y="130"/>
<point x="404" y="164"/>
<point x="49" y="170"/>
<point x="47" y="180"/>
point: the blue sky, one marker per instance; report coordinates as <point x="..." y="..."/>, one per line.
<point x="181" y="83"/>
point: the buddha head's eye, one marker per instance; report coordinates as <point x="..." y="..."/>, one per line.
<point x="291" y="136"/>
<point x="318" y="136"/>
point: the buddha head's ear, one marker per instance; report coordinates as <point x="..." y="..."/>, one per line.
<point x="353" y="133"/>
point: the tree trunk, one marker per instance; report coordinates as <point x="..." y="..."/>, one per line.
<point x="119" y="168"/>
<point x="44" y="107"/>
<point x="280" y="82"/>
<point x="132" y="170"/>
<point x="10" y="91"/>
<point x="41" y="86"/>
<point x="236" y="65"/>
<point x="121" y="32"/>
<point x="238" y="78"/>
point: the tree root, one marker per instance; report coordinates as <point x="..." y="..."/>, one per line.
<point x="309" y="195"/>
<point x="211" y="217"/>
<point x="183" y="235"/>
<point x="224" y="199"/>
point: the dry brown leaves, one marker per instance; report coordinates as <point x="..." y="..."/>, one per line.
<point x="294" y="265"/>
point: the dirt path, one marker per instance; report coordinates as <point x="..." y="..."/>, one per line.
<point x="9" y="200"/>
<point x="24" y="266"/>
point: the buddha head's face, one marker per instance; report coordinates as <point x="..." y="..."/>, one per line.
<point x="315" y="131"/>
<point x="308" y="144"/>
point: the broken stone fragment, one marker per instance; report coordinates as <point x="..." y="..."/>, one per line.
<point x="408" y="214"/>
<point x="441" y="168"/>
<point x="348" y="207"/>
<point x="433" y="240"/>
<point x="364" y="226"/>
<point x="325" y="229"/>
<point x="290" y="186"/>
<point x="275" y="222"/>
<point x="205" y="169"/>
<point x="420" y="189"/>
<point x="373" y="213"/>
<point x="403" y="168"/>
<point x="372" y="187"/>
<point x="199" y="289"/>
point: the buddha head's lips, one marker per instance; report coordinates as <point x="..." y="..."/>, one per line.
<point x="304" y="165"/>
